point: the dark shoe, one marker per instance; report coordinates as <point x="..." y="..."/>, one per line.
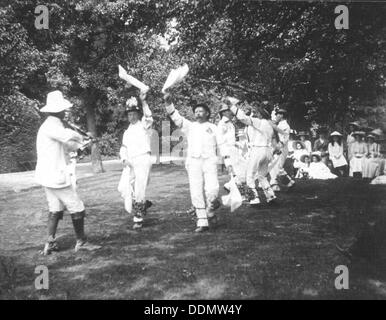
<point x="191" y="211"/>
<point x="50" y="247"/>
<point x="137" y="226"/>
<point x="201" y="229"/>
<point x="148" y="204"/>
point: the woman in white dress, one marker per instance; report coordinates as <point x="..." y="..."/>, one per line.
<point x="353" y="126"/>
<point x="372" y="162"/>
<point x="357" y="153"/>
<point x="303" y="171"/>
<point x="318" y="170"/>
<point x="335" y="150"/>
<point x="300" y="150"/>
<point x="303" y="138"/>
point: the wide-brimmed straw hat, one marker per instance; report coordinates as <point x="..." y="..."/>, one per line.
<point x="317" y="154"/>
<point x="370" y="136"/>
<point x="56" y="103"/>
<point x="281" y="111"/>
<point x="355" y="124"/>
<point x="358" y="133"/>
<point x="377" y="132"/>
<point x="336" y="134"/>
<point x="304" y="156"/>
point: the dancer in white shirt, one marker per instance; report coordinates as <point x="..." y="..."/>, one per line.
<point x="135" y="155"/>
<point x="231" y="154"/>
<point x="261" y="135"/>
<point x="283" y="130"/>
<point x="201" y="161"/>
<point x="52" y="172"/>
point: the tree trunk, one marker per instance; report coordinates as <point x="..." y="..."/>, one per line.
<point x="96" y="158"/>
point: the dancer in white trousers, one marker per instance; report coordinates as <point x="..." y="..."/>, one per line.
<point x="282" y="127"/>
<point x="52" y="172"/>
<point x="260" y="134"/>
<point x="201" y="161"/>
<point x="135" y="156"/>
<point x="231" y="154"/>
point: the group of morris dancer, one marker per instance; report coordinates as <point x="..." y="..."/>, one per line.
<point x="267" y="147"/>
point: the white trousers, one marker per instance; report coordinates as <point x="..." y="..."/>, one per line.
<point x="63" y="198"/>
<point x="204" y="186"/>
<point x="139" y="178"/>
<point x="278" y="167"/>
<point x="239" y="165"/>
<point x="257" y="168"/>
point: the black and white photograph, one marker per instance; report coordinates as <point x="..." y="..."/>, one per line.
<point x="192" y="150"/>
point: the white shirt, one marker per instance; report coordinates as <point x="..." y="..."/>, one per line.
<point x="283" y="125"/>
<point x="318" y="170"/>
<point x="226" y="136"/>
<point x="201" y="137"/>
<point x="136" y="139"/>
<point x="52" y="144"/>
<point x="308" y="145"/>
<point x="260" y="133"/>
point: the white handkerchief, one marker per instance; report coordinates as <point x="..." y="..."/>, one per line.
<point x="175" y="77"/>
<point x="131" y="80"/>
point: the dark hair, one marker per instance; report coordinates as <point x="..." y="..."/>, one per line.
<point x="339" y="140"/>
<point x="202" y="105"/>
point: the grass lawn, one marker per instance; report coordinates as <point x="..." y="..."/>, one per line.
<point x="286" y="251"/>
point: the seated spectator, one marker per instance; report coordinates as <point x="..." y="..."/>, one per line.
<point x="304" y="166"/>
<point x="321" y="145"/>
<point x="372" y="161"/>
<point x="357" y="152"/>
<point x="303" y="138"/>
<point x="318" y="170"/>
<point x="300" y="150"/>
<point x="292" y="139"/>
<point x="335" y="150"/>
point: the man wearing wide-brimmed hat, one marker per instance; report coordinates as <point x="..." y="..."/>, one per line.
<point x="53" y="143"/>
<point x="201" y="161"/>
<point x="260" y="155"/>
<point x="282" y="127"/>
<point x="135" y="155"/>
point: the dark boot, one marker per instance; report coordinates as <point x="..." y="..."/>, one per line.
<point x="139" y="212"/>
<point x="81" y="240"/>
<point x="78" y="223"/>
<point x="53" y="221"/>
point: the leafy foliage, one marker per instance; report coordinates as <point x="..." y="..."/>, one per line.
<point x="285" y="53"/>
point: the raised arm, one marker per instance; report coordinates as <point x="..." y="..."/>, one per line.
<point x="179" y="121"/>
<point x="147" y="119"/>
<point x="247" y="120"/>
